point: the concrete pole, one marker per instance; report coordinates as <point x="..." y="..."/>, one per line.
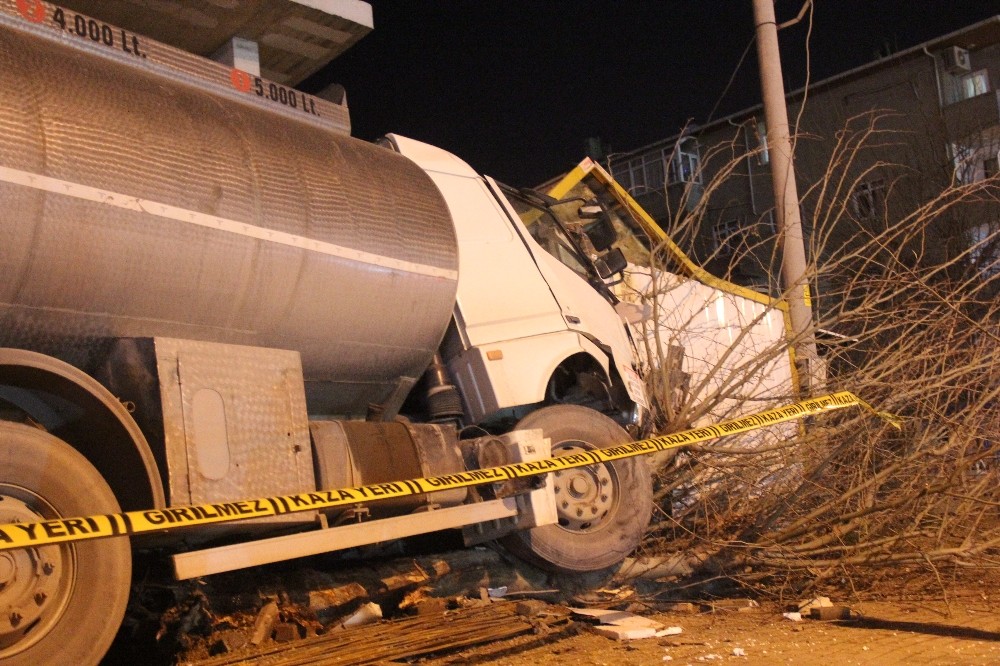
<point x="786" y="196"/>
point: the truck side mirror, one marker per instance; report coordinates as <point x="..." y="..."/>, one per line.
<point x="601" y="233"/>
<point x="610" y="263"/>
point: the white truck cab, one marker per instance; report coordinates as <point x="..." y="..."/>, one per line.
<point x="520" y="311"/>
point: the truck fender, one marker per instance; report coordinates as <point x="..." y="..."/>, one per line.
<point x="78" y="409"/>
<point x="521" y="372"/>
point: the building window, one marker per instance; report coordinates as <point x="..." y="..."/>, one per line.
<point x="958" y="86"/>
<point x="985" y="248"/>
<point x="974" y="84"/>
<point x="685" y="167"/>
<point x="728" y="236"/>
<point x="651" y="171"/>
<point x="991" y="166"/>
<point x="868" y="199"/>
<point x="976" y="160"/>
<point x="641" y="174"/>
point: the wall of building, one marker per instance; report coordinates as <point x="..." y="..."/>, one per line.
<point x="871" y="145"/>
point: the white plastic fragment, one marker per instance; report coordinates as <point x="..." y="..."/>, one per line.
<point x="739" y="652"/>
<point x="794" y="617"/>
<point x="497" y="592"/>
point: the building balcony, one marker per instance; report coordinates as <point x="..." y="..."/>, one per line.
<point x="971" y="116"/>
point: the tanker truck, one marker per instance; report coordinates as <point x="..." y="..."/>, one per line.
<point x="212" y="293"/>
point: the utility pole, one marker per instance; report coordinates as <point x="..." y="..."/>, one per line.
<point x="794" y="276"/>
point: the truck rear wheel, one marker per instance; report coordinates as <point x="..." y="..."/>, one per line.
<point x="603" y="509"/>
<point x="58" y="603"/>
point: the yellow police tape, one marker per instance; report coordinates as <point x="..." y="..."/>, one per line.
<point x="23" y="535"/>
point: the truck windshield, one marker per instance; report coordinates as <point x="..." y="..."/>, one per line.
<point x="632" y="240"/>
<point x="557" y="230"/>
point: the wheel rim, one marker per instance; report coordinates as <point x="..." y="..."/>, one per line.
<point x="585" y="496"/>
<point x="35" y="583"/>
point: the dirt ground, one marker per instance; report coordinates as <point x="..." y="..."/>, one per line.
<point x="884" y="633"/>
<point x="905" y="623"/>
<point x="964" y="631"/>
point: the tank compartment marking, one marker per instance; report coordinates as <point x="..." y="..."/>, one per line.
<point x="27" y="535"/>
<point x="79" y="31"/>
<point x="87" y="193"/>
<point x="83" y="27"/>
<point x="33" y="10"/>
<point x="293" y="99"/>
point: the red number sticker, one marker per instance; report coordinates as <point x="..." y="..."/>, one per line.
<point x="240" y="79"/>
<point x="33" y="10"/>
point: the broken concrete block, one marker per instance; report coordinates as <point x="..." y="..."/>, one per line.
<point x="530" y="607"/>
<point x="285" y="632"/>
<point x="619" y="618"/>
<point x="669" y="631"/>
<point x="335" y="597"/>
<point x="234" y="639"/>
<point x="624" y="626"/>
<point x="680" y="607"/>
<point x="414" y="577"/>
<point x="432" y="606"/>
<point x="227" y="640"/>
<point x="264" y="624"/>
<point x="731" y="605"/>
<point x="815" y="602"/>
<point x="624" y="633"/>
<point x="368" y="614"/>
<point x="830" y="613"/>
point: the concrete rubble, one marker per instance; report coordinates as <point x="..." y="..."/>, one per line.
<point x="624" y="626"/>
<point x="821" y="608"/>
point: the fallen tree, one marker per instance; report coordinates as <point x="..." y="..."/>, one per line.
<point x="910" y="297"/>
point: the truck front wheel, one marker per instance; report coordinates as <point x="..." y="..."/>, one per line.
<point x="58" y="603"/>
<point x="603" y="509"/>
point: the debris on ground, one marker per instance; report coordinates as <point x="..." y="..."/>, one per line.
<point x="531" y="608"/>
<point x="741" y="605"/>
<point x="369" y="613"/>
<point x="496" y="592"/>
<point x="821" y="608"/>
<point x="331" y="600"/>
<point x="405" y="638"/>
<point x="679" y="607"/>
<point x="830" y="613"/>
<point x="264" y="623"/>
<point x="452" y="608"/>
<point x="816" y="602"/>
<point x="624" y="626"/>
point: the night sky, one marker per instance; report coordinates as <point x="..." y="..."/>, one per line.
<point x="515" y="87"/>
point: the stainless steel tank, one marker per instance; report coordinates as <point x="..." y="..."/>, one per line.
<point x="135" y="202"/>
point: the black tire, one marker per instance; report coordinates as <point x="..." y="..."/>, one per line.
<point x="84" y="586"/>
<point x="596" y="530"/>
